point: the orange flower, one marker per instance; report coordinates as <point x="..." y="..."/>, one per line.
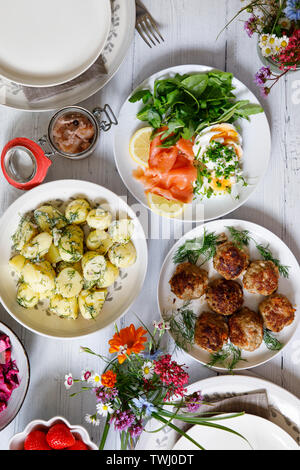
<point x="109" y="379"/>
<point x="127" y="341"/>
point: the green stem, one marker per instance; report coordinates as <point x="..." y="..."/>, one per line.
<point x="105" y="433"/>
<point x="172" y="426"/>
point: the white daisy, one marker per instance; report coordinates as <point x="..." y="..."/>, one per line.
<point x="92" y="419"/>
<point x="95" y="379"/>
<point x="148" y="370"/>
<point x="284" y="23"/>
<point x="283" y="42"/>
<point x="103" y="409"/>
<point x="263" y="39"/>
<point x="69" y="381"/>
<point x="267" y="51"/>
<point x="272" y="40"/>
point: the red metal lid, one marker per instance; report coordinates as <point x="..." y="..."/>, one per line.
<point x="40" y="163"/>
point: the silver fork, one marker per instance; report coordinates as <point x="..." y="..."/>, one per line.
<point x="146" y="26"/>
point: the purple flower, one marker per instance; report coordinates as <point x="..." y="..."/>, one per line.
<point x="193" y="402"/>
<point x="106" y="395"/>
<point x="136" y="430"/>
<point x="122" y="420"/>
<point x="292" y="10"/>
<point x="264" y="91"/>
<point x="249" y="26"/>
<point x="262" y="76"/>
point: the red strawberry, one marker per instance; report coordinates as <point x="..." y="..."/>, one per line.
<point x="79" y="445"/>
<point x="59" y="437"/>
<point x="36" y="440"/>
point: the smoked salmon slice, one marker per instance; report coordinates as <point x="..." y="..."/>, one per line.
<point x="171" y="173"/>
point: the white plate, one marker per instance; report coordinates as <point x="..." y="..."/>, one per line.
<point x="121" y="295"/>
<point x="117" y="44"/>
<point x="284" y="408"/>
<point x="260" y="433"/>
<point x="18" y="395"/>
<point x="256" y="144"/>
<point x="48" y="43"/>
<point x="289" y="287"/>
<point x="17" y="441"/>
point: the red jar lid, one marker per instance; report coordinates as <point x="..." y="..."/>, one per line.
<point x="11" y="164"/>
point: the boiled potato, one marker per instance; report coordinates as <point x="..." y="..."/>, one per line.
<point x="121" y="231"/>
<point x="91" y="302"/>
<point x="70" y="245"/>
<point x="47" y="294"/>
<point x="99" y="219"/>
<point x="77" y="211"/>
<point x="17" y="263"/>
<point x="93" y="265"/>
<point x="39" y="276"/>
<point x="25" y="232"/>
<point x="122" y="256"/>
<point x="63" y="264"/>
<point x="53" y="255"/>
<point x="48" y="217"/>
<point x="26" y="297"/>
<point x="63" y="307"/>
<point x="38" y="246"/>
<point x="69" y="283"/>
<point x="95" y="239"/>
<point x="109" y="276"/>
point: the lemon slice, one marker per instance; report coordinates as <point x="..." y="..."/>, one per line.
<point x="163" y="207"/>
<point x="139" y="147"/>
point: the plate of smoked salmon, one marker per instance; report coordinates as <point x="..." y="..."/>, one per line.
<point x="192" y="143"/>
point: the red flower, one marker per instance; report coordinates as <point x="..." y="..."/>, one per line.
<point x="128" y="341"/>
<point x="289" y="57"/>
<point x="172" y="375"/>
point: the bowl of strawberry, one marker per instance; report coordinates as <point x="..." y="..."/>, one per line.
<point x="14" y="375"/>
<point x="55" y="434"/>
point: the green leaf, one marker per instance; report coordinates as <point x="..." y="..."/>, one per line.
<point x="144" y="95"/>
<point x="196" y="84"/>
<point x="271" y="342"/>
<point x="180" y="431"/>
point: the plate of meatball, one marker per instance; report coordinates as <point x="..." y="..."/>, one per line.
<point x="239" y="284"/>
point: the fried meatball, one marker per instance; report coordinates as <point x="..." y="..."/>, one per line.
<point x="277" y="312"/>
<point x="261" y="278"/>
<point x="224" y="297"/>
<point x="211" y="332"/>
<point x="246" y="329"/>
<point x="230" y="261"/>
<point x="189" y="281"/>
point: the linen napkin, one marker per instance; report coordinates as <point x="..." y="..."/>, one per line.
<point x="35" y="94"/>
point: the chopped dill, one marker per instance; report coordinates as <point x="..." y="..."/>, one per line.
<point x="271" y="342"/>
<point x="240" y="237"/>
<point x="228" y="357"/>
<point x="182" y="326"/>
<point x="204" y="247"/>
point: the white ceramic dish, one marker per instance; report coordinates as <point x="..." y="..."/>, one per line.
<point x="122" y="295"/>
<point x="284" y="408"/>
<point x="117" y="44"/>
<point x="18" y="396"/>
<point x="46" y="44"/>
<point x="260" y="433"/>
<point x="256" y="144"/>
<point x="17" y="441"/>
<point x="289" y="287"/>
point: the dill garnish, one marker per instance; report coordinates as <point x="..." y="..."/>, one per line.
<point x="228" y="357"/>
<point x="240" y="237"/>
<point x="268" y="256"/>
<point x="192" y="250"/>
<point x="271" y="342"/>
<point x="182" y="326"/>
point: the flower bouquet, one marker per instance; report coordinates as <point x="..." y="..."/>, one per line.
<point x="141" y="382"/>
<point x="277" y="24"/>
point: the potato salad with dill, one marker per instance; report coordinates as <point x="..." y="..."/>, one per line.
<point x="70" y="258"/>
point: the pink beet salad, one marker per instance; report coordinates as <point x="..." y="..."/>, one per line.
<point x="9" y="379"/>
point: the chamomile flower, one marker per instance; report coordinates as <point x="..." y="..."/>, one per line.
<point x="267" y="51"/>
<point x="104" y="409"/>
<point x="95" y="379"/>
<point x="92" y="419"/>
<point x="148" y="370"/>
<point x="69" y="381"/>
<point x="272" y="40"/>
<point x="263" y="39"/>
<point x="283" y="42"/>
<point x="284" y="23"/>
<point x="86" y="375"/>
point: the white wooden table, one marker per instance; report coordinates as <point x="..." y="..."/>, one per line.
<point x="190" y="28"/>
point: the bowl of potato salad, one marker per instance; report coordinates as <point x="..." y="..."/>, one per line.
<point x="73" y="259"/>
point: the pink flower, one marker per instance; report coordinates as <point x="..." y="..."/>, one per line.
<point x="172" y="375"/>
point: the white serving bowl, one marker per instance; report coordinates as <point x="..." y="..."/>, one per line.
<point x="121" y="296"/>
<point x="17" y="398"/>
<point x="17" y="441"/>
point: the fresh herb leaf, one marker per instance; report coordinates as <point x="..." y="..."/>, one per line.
<point x="182" y="326"/>
<point x="192" y="250"/>
<point x="240" y="237"/>
<point x="228" y="357"/>
<point x="144" y="95"/>
<point x="271" y="342"/>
